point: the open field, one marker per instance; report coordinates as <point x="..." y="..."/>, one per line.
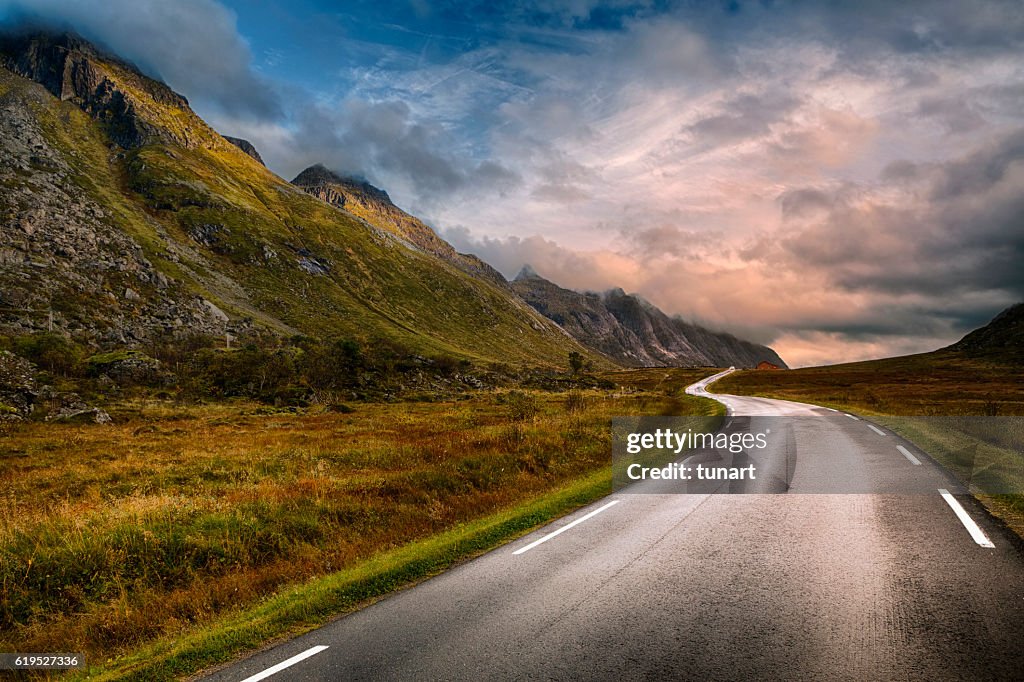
<point x="939" y="384"/>
<point x="112" y="536"/>
<point x="669" y="380"/>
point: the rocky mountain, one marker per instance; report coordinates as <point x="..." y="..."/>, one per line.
<point x="133" y="109"/>
<point x="124" y="218"/>
<point x="373" y="205"/>
<point x="1002" y="338"/>
<point x="632" y="331"/>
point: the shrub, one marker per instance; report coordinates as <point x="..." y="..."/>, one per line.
<point x="51" y="352"/>
<point x="575" y="401"/>
<point x="576" y="362"/>
<point x="521" y="406"/>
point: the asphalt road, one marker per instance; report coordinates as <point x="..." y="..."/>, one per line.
<point x="709" y="587"/>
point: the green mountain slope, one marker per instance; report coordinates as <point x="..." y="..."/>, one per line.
<point x="126" y="217"/>
<point x="373" y="205"/>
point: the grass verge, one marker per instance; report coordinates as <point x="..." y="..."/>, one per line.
<point x="304" y="607"/>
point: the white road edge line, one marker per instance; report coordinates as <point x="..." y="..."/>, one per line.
<point x="906" y="453"/>
<point x="563" y="529"/>
<point x="877" y="430"/>
<point x="856" y="419"/>
<point x="976" y="532"/>
<point x="285" y="664"/>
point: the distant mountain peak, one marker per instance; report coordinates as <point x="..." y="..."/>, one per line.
<point x="246" y="147"/>
<point x="527" y="272"/>
<point x="1002" y="338"/>
<point x="358" y="197"/>
<point x="319" y="175"/>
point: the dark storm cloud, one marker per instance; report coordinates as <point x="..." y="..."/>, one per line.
<point x="805" y="201"/>
<point x="954" y="113"/>
<point x="982" y="170"/>
<point x="917" y="26"/>
<point x="742" y="117"/>
<point x="959" y="235"/>
<point x="885" y="322"/>
<point x="192" y="45"/>
<point x="384" y="139"/>
<point x="967" y="229"/>
<point x="385" y="136"/>
<point x="901" y="170"/>
<point x="669" y="239"/>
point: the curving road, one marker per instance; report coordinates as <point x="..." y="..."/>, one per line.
<point x="709" y="587"/>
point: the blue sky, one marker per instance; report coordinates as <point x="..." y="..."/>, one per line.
<point x="842" y="180"/>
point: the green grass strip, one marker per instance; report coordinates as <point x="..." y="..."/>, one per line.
<point x="304" y="607"/>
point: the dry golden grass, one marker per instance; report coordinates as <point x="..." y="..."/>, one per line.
<point x="932" y="384"/>
<point x="668" y="380"/>
<point x="113" y="535"/>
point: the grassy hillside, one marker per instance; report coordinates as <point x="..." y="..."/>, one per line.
<point x="373" y="205"/>
<point x="356" y="282"/>
<point x="221" y="227"/>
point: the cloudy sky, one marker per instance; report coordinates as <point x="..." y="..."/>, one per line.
<point x="841" y="180"/>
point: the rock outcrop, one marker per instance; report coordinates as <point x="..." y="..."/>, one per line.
<point x="62" y="263"/>
<point x="22" y="396"/>
<point x="132" y="107"/>
<point x="1001" y="339"/>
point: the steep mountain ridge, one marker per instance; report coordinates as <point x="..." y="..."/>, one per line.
<point x="632" y="331"/>
<point x="126" y="218"/>
<point x="246" y="147"/>
<point x="373" y="205"/>
<point x="133" y="109"/>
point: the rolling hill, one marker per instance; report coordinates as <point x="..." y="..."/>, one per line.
<point x="1002" y="339"/>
